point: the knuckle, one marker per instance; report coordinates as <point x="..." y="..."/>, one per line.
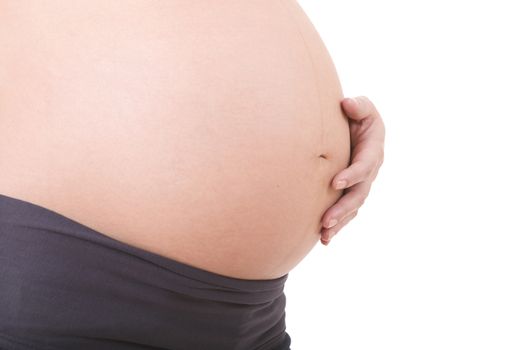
<point x="364" y="172"/>
<point x="368" y="171"/>
<point x="362" y="169"/>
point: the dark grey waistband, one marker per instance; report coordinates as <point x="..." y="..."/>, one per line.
<point x="170" y="274"/>
<point x="66" y="286"/>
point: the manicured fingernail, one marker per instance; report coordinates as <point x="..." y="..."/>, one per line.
<point x="332" y="223"/>
<point x="341" y="184"/>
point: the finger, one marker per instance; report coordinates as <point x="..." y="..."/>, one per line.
<point x="358" y="171"/>
<point x="328" y="234"/>
<point x="351" y="201"/>
<point x="367" y="155"/>
<point x="369" y="126"/>
<point x="359" y="107"/>
<point x="370" y="132"/>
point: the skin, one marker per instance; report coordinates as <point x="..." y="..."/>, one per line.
<point x="367" y="132"/>
<point x="62" y="53"/>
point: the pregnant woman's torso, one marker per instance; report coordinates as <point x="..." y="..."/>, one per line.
<point x="204" y="131"/>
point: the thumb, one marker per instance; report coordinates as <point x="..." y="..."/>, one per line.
<point x="357" y="108"/>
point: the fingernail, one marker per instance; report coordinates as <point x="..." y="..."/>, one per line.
<point x="332" y="223"/>
<point x="352" y="100"/>
<point x="340" y="184"/>
<point x="325" y="241"/>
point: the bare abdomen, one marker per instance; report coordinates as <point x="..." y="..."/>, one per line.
<point x="205" y="132"/>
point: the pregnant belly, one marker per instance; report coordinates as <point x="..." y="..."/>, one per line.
<point x="206" y="132"/>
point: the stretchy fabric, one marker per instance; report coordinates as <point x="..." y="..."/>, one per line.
<point x="66" y="286"/>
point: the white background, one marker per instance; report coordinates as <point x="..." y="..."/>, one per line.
<point x="435" y="259"/>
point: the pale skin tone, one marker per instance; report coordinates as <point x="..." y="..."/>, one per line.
<point x="367" y="132"/>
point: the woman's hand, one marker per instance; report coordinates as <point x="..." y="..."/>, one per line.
<point x="367" y="133"/>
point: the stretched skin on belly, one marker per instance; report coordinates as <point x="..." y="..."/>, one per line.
<point x="207" y="132"/>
